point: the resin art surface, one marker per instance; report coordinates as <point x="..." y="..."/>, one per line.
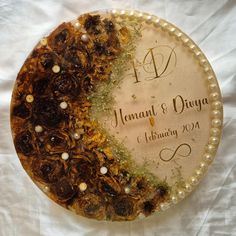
<point x="116" y="115"/>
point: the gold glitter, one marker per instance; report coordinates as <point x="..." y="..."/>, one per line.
<point x="152" y="121"/>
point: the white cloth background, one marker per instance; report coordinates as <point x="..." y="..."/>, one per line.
<point x="210" y="210"/>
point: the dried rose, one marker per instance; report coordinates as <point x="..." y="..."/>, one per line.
<point x="47" y="170"/>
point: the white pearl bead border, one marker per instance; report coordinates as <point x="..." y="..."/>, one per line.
<point x="214" y="99"/>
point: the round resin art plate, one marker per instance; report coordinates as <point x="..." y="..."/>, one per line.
<point x="116" y="115"/>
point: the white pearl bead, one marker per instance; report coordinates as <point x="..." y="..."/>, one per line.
<point x="216" y="123"/>
<point x="56" y="69"/>
<point x="148" y="19"/>
<point x="174" y="199"/>
<point x="122" y="12"/>
<point x="208" y="157"/>
<point x="65" y="156"/>
<point x="214" y="96"/>
<point x="216" y="113"/>
<point x="141" y="216"/>
<point x="181" y="194"/>
<point x="77" y="25"/>
<point x="203" y="166"/>
<point x="103" y="170"/>
<point x="76" y="136"/>
<point x="214" y="140"/>
<point x="38" y="128"/>
<point x="63" y="105"/>
<point x="140" y="15"/>
<point x="156" y="22"/>
<point x="178" y="34"/>
<point x="29" y="98"/>
<point x="198" y="172"/>
<point x="114" y="11"/>
<point x="43" y="41"/>
<point x="194" y="180"/>
<point x="131" y="14"/>
<point x="210" y="148"/>
<point x="210" y="78"/>
<point x="206" y="68"/>
<point x="215" y="132"/>
<point x="127" y="190"/>
<point x="217" y="105"/>
<point x="192" y="46"/>
<point x="164" y="25"/>
<point x="212" y="87"/>
<point x="46" y="189"/>
<point x="188" y="187"/>
<point x="164" y="206"/>
<point x="84" y="38"/>
<point x="82" y="187"/>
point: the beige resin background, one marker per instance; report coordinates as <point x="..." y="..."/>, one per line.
<point x="162" y="111"/>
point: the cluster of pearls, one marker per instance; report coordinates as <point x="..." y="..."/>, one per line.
<point x="214" y="99"/>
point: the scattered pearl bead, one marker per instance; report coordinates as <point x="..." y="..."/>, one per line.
<point x="64" y="156"/>
<point x="43" y="41"/>
<point x="77" y="25"/>
<point x="76" y="136"/>
<point x="38" y="128"/>
<point x="127" y="190"/>
<point x="83" y="186"/>
<point x="84" y="38"/>
<point x="29" y="98"/>
<point x="63" y="105"/>
<point x="46" y="189"/>
<point x="56" y="69"/>
<point x="103" y="170"/>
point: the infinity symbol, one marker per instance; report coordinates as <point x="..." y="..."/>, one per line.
<point x="182" y="150"/>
